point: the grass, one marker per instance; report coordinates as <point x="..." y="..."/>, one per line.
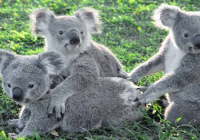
<point x="128" y="31"/>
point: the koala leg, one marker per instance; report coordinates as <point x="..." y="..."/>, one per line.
<point x="189" y="111"/>
<point x="81" y="120"/>
<point x="40" y="125"/>
<point x="21" y="122"/>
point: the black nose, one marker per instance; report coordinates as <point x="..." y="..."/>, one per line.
<point x="17" y="94"/>
<point x="74" y="37"/>
<point x="197" y="41"/>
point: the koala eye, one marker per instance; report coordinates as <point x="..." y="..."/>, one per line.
<point x="60" y="32"/>
<point x="81" y="32"/>
<point x="9" y="85"/>
<point x="186" y="35"/>
<point x="31" y="85"/>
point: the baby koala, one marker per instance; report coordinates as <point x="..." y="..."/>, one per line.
<point x="27" y="80"/>
<point x="179" y="57"/>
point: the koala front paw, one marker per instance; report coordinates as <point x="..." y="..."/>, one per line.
<point x="14" y="123"/>
<point x="145" y="99"/>
<point x="134" y="78"/>
<point x="122" y="74"/>
<point x="13" y="136"/>
<point x="57" y="105"/>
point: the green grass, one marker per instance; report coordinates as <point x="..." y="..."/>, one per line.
<point x="128" y="31"/>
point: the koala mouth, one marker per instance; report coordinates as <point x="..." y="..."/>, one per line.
<point x="193" y="50"/>
<point x="72" y="47"/>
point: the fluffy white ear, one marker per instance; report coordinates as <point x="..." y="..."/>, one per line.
<point x="90" y="17"/>
<point x="166" y="16"/>
<point x="40" y="20"/>
<point x="5" y="58"/>
<point x="52" y="62"/>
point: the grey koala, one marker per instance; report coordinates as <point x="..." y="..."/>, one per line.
<point x="86" y="62"/>
<point x="179" y="57"/>
<point x="28" y="80"/>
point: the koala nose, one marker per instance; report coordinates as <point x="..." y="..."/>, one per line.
<point x="74" y="37"/>
<point x="17" y="94"/>
<point x="197" y="41"/>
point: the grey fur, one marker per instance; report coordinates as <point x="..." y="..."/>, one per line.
<point x="180" y="59"/>
<point x="85" y="63"/>
<point x="107" y="101"/>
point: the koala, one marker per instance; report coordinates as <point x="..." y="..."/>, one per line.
<point x="28" y="80"/>
<point x="85" y="61"/>
<point x="179" y="58"/>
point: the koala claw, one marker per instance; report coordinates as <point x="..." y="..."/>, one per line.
<point x="17" y="130"/>
<point x="136" y="99"/>
<point x="142" y="88"/>
<point x="49" y="115"/>
<point x="123" y="74"/>
<point x="136" y="103"/>
<point x="134" y="78"/>
<point x="59" y="108"/>
<point x="145" y="99"/>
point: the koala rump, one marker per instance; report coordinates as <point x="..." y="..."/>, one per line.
<point x="92" y="109"/>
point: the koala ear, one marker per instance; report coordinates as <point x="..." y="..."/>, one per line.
<point x="91" y="19"/>
<point x="52" y="62"/>
<point x="40" y="20"/>
<point x="5" y="58"/>
<point x="166" y="16"/>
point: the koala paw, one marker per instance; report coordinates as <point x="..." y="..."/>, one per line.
<point x="14" y="123"/>
<point x="134" y="78"/>
<point x="122" y="74"/>
<point x="145" y="99"/>
<point x="57" y="105"/>
<point x="13" y="136"/>
<point x="142" y="88"/>
<point x="131" y="77"/>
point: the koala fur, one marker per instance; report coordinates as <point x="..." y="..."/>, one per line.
<point x="86" y="62"/>
<point x="179" y="57"/>
<point x="107" y="102"/>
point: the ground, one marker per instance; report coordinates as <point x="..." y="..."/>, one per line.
<point x="128" y="31"/>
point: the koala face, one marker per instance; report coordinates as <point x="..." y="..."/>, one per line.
<point x="25" y="79"/>
<point x="66" y="34"/>
<point x="184" y="27"/>
<point x="24" y="82"/>
<point x="186" y="34"/>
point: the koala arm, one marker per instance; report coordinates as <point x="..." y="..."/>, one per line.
<point x="153" y="65"/>
<point x="171" y="82"/>
<point x="23" y="118"/>
<point x="84" y="71"/>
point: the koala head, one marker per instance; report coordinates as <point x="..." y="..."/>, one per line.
<point x="184" y="26"/>
<point x="66" y="34"/>
<point x="25" y="79"/>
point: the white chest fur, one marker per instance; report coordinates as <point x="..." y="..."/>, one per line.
<point x="69" y="58"/>
<point x="173" y="58"/>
